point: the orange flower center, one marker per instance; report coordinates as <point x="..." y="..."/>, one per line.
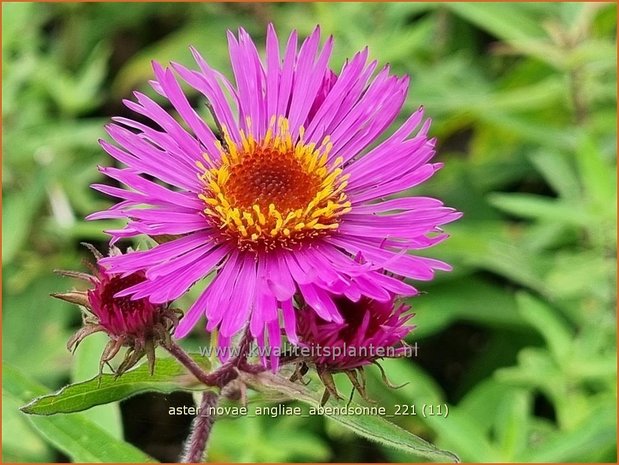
<point x="275" y="192"/>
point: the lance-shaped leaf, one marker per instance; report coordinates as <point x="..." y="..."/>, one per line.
<point x="73" y="434"/>
<point x="371" y="427"/>
<point x="169" y="376"/>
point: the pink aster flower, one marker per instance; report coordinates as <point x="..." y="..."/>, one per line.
<point x="137" y="324"/>
<point x="370" y="330"/>
<point x="286" y="200"/>
<point x="121" y="315"/>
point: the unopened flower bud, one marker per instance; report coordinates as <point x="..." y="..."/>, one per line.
<point x="136" y="324"/>
<point x="370" y="330"/>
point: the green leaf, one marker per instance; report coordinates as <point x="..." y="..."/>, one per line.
<point x="173" y="47"/>
<point x="512" y="418"/>
<point x="597" y="432"/>
<point x="401" y="371"/>
<point x="59" y="138"/>
<point x="76" y="94"/>
<point x="543" y="236"/>
<point x="107" y="388"/>
<point x="548" y="322"/>
<point x="482" y="401"/>
<point x="464" y="300"/>
<point x="507" y="21"/>
<point x="536" y="368"/>
<point x="461" y="432"/>
<point x="598" y="176"/>
<point x="20" y="209"/>
<point x="73" y="434"/>
<point x="522" y="126"/>
<point x="20" y="21"/>
<point x="558" y="172"/>
<point x="586" y="274"/>
<point x="537" y="95"/>
<point x="31" y="315"/>
<point x="493" y="246"/>
<point x="540" y="208"/>
<point x="85" y="366"/>
<point x="23" y="444"/>
<point x="371" y="427"/>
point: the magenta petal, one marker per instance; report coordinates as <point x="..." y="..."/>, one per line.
<point x="286" y="78"/>
<point x="174" y="93"/>
<point x="321" y="302"/>
<point x="290" y="323"/>
<point x="265" y="310"/>
<point x="191" y="317"/>
<point x="224" y="343"/>
<point x="278" y="277"/>
<point x="219" y="289"/>
<point x="273" y="71"/>
<point x="241" y="298"/>
<point x="275" y="342"/>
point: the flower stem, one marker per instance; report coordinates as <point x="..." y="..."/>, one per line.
<point x="191" y="365"/>
<point x="225" y="373"/>
<point x="195" y="448"/>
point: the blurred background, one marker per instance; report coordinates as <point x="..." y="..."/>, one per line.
<point x="519" y="340"/>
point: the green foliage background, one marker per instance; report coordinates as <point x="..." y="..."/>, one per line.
<point x="519" y="340"/>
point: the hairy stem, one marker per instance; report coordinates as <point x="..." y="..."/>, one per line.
<point x="189" y="363"/>
<point x="225" y="373"/>
<point x="195" y="447"/>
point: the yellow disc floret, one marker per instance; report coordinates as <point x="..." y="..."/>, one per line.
<point x="274" y="192"/>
